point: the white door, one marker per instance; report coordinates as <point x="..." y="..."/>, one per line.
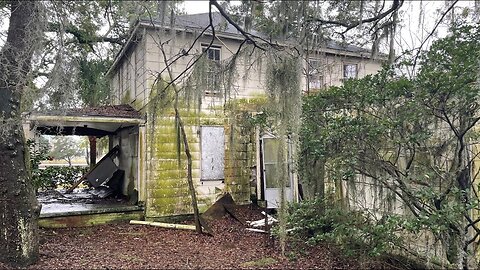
<point x="271" y="174"/>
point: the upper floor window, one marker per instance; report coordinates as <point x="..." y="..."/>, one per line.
<point x="213" y="78"/>
<point x="350" y="71"/>
<point x="213" y="53"/>
<point x="314" y="74"/>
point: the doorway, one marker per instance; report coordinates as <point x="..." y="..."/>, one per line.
<point x="271" y="172"/>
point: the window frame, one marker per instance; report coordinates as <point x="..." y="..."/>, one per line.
<point x="215" y="87"/>
<point x="315" y="71"/>
<point x="345" y="65"/>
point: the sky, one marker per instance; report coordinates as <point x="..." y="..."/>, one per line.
<point x="195" y="7"/>
<point x="412" y="33"/>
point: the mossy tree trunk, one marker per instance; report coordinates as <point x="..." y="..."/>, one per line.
<point x="19" y="209"/>
<point x="319" y="178"/>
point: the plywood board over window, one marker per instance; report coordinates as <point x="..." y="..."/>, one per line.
<point x="212" y="139"/>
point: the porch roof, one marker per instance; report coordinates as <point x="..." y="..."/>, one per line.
<point x="91" y="121"/>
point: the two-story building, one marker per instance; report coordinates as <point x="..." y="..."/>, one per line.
<point x="230" y="152"/>
<point x="227" y="156"/>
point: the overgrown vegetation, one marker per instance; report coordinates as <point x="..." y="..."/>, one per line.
<point x="51" y="177"/>
<point x="401" y="146"/>
<point x="284" y="95"/>
<point x="316" y="221"/>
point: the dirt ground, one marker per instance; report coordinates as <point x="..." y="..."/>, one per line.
<point x="139" y="247"/>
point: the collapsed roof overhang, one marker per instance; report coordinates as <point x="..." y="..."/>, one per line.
<point x="93" y="121"/>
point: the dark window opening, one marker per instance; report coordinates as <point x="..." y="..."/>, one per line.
<point x="214" y="79"/>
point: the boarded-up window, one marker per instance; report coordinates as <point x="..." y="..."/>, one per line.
<point x="213" y="152"/>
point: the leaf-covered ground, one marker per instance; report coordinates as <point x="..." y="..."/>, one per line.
<point x="139" y="246"/>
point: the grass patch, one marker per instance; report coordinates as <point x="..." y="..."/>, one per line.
<point x="259" y="263"/>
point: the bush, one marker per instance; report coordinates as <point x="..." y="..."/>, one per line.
<point x="56" y="176"/>
<point x="353" y="231"/>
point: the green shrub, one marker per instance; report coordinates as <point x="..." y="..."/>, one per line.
<point x="56" y="176"/>
<point x="355" y="232"/>
<point x="50" y="177"/>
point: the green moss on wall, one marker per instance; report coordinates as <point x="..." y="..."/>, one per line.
<point x="126" y="97"/>
<point x="240" y="154"/>
<point x="167" y="189"/>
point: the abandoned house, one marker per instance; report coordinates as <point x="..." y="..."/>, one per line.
<point x="229" y="154"/>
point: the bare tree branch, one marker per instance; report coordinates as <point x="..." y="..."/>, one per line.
<point x="349" y="26"/>
<point x="419" y="49"/>
<point x="248" y="36"/>
<point x="86" y="38"/>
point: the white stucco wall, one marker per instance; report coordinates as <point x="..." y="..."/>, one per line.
<point x="143" y="62"/>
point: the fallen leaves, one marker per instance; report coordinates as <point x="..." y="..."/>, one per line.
<point x="126" y="246"/>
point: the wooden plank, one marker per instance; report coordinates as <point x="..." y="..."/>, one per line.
<point x="164" y="225"/>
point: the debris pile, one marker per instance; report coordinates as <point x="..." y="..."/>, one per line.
<point x="269" y="220"/>
<point x="105" y="176"/>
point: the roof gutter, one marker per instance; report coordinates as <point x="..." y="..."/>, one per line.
<point x="192" y="30"/>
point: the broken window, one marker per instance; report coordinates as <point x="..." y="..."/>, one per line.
<point x="271" y="163"/>
<point x="272" y="172"/>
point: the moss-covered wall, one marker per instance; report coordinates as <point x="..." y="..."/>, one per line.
<point x="167" y="188"/>
<point x="239" y="150"/>
<point x="166" y="185"/>
<point x="240" y="146"/>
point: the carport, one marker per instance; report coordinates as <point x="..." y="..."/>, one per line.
<point x="125" y="128"/>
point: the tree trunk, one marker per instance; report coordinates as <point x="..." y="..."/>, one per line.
<point x="283" y="177"/>
<point x="19" y="209"/>
<point x="453" y="243"/>
<point x="319" y="178"/>
<point x="93" y="150"/>
<point x="191" y="187"/>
